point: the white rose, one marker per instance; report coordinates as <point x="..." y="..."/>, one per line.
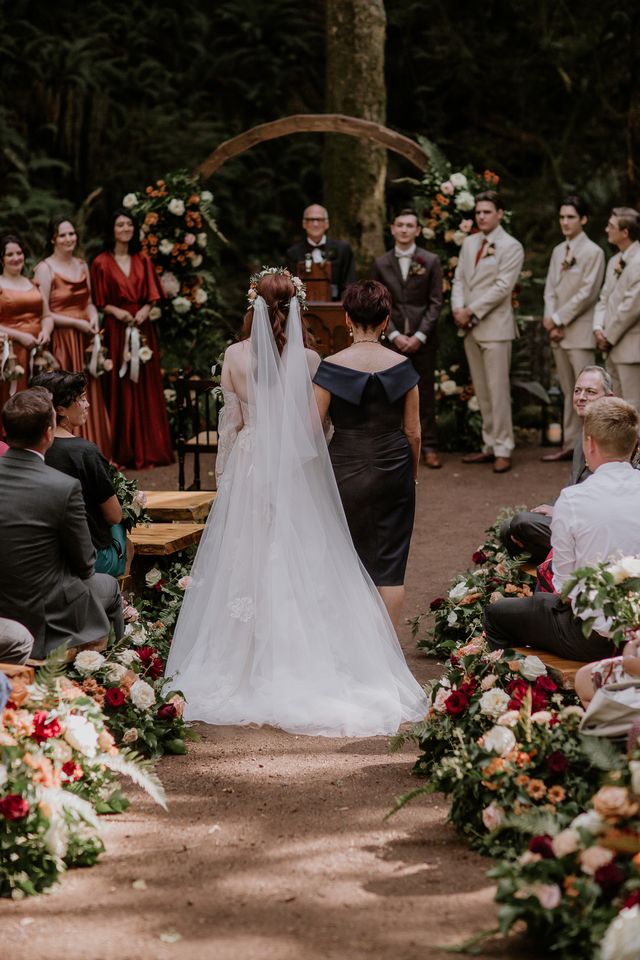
<point x="170" y="283"/>
<point x="181" y="305"/>
<point x="449" y="387"/>
<point x="438" y="703"/>
<point x="128" y="657"/>
<point x="4" y="776"/>
<point x="532" y="667"/>
<point x="143" y="695"/>
<point x="140" y="500"/>
<point x="202" y="240"/>
<point x="165" y="247"/>
<point x="196" y="259"/>
<point x="624" y="568"/>
<point x="499" y="740"/>
<point x="508" y="719"/>
<point x="206" y="196"/>
<point x="621" y="940"/>
<point x="572" y="711"/>
<point x="541" y="716"/>
<point x="458" y="180"/>
<point x="130" y="735"/>
<point x="473" y="404"/>
<point x="56" y="839"/>
<point x="201" y="296"/>
<point x="88" y="661"/>
<point x="81" y="735"/>
<point x="459" y="591"/>
<point x="152" y="577"/>
<point x="136" y="633"/>
<point x="448" y="187"/>
<point x="130" y="201"/>
<point x="145" y="353"/>
<point x="115" y="672"/>
<point x="492" y="816"/>
<point x="155" y="313"/>
<point x="459" y="237"/>
<point x="452" y="618"/>
<point x="634" y="768"/>
<point x="176" y="207"/>
<point x="565" y="842"/>
<point x="465" y="200"/>
<point x="428" y="233"/>
<point x="488" y="682"/>
<point x="590" y="821"/>
<point x="494" y="702"/>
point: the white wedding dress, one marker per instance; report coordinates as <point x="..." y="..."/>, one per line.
<point x="281" y="624"/>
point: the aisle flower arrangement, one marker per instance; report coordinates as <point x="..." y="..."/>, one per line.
<point x="612" y="587"/>
<point x="132" y="500"/>
<point x="457" y="411"/>
<point x="58" y="768"/>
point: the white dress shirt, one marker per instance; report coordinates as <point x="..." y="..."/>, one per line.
<point x="317" y="255"/>
<point x="595" y="520"/>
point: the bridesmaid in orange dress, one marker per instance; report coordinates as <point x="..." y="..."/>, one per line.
<point x="21" y="324"/>
<point x="66" y="290"/>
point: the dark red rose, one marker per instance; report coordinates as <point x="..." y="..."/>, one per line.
<point x="545" y="685"/>
<point x="159" y="585"/>
<point x="456" y="703"/>
<point x="555" y="720"/>
<point x="44" y="729"/>
<point x="72" y="770"/>
<point x="437" y="603"/>
<point x="156" y="668"/>
<point x="115" y="698"/>
<point x="454" y="660"/>
<point x="469" y="686"/>
<point x="609" y="876"/>
<point x="518" y="690"/>
<point x="146" y="654"/>
<point x="478" y="557"/>
<point x="542" y="844"/>
<point x="167" y="711"/>
<point x="557" y="762"/>
<point x="631" y="901"/>
<point x="14" y="807"/>
<point x="538" y="701"/>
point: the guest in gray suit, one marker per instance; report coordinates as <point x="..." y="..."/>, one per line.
<point x="530" y="531"/>
<point x="47" y="579"/>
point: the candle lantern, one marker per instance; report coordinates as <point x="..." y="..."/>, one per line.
<point x="552" y="429"/>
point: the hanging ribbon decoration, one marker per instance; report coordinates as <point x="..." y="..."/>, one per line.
<point x="32" y="356"/>
<point x="131" y="354"/>
<point x="95" y="353"/>
<point x="7" y="355"/>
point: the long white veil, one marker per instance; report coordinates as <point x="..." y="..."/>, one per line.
<point x="281" y="624"/>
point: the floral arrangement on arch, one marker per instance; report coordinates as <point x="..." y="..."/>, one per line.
<point x="176" y="230"/>
<point x="457" y="411"/>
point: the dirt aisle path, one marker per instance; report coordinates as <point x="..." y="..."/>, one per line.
<point x="274" y="846"/>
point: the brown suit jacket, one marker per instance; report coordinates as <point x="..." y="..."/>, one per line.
<point x="417" y="301"/>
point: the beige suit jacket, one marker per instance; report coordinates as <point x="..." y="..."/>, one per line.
<point x="486" y="288"/>
<point x="617" y="313"/>
<point x="570" y="295"/>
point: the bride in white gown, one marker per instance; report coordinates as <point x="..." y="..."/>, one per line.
<point x="281" y="624"/>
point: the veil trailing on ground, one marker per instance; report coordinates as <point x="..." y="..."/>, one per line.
<point x="281" y="624"/>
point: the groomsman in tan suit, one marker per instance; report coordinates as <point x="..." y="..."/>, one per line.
<point x="571" y="291"/>
<point x="487" y="271"/>
<point x="616" y="322"/>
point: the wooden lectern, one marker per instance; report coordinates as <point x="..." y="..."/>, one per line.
<point x="324" y="318"/>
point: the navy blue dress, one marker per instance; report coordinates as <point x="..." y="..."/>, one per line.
<point x="371" y="459"/>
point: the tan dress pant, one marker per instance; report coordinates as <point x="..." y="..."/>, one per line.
<point x="489" y="364"/>
<point x="626" y="381"/>
<point x="569" y="363"/>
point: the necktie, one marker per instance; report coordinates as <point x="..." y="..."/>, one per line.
<point x="480" y="252"/>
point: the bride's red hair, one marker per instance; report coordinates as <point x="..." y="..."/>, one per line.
<point x="277" y="290"/>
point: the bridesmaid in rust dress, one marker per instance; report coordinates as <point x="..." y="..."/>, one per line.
<point x="64" y="283"/>
<point x="125" y="287"/>
<point x="21" y="324"/>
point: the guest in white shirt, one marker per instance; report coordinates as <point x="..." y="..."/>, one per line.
<point x="592" y="521"/>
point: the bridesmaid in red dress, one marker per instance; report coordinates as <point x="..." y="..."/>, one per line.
<point x="21" y="324"/>
<point x="125" y="287"/>
<point x="64" y="283"/>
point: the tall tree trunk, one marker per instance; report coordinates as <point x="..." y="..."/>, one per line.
<point x="633" y="123"/>
<point x="354" y="170"/>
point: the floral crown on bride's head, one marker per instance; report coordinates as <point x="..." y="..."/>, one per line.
<point x="254" y="280"/>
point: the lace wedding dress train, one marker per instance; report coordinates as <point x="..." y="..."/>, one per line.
<point x="280" y="624"/>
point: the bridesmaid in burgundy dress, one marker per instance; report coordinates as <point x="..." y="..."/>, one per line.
<point x="125" y="287"/>
<point x="64" y="283"/>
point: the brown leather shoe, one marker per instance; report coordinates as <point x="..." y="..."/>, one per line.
<point x="557" y="456"/>
<point x="502" y="465"/>
<point x="478" y="458"/>
<point x="431" y="459"/>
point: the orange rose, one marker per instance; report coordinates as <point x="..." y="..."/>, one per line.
<point x="536" y="789"/>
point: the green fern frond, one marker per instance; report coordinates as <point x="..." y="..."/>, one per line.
<point x="61" y="799"/>
<point x="601" y="753"/>
<point x="406" y="798"/>
<point x="141" y="771"/>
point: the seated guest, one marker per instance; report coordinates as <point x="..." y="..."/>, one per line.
<point x="591" y="521"/>
<point x="321" y="248"/>
<point x="529" y="531"/>
<point x="83" y="460"/>
<point x="614" y="670"/>
<point x="15" y="642"/>
<point x="47" y="579"/>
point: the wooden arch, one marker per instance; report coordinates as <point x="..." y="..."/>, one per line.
<point x="315" y="123"/>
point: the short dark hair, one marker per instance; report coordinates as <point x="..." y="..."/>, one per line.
<point x="110" y="240"/>
<point x="406" y="212"/>
<point x="26" y="417"/>
<point x="63" y="386"/>
<point x="6" y="240"/>
<point x="367" y="303"/>
<point x="491" y="196"/>
<point x="629" y="220"/>
<point x="579" y="203"/>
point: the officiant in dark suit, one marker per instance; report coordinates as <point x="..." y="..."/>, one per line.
<point x="47" y="579"/>
<point x="323" y="248"/>
<point x="413" y="277"/>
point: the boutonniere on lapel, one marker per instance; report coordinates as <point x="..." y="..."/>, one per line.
<point x="331" y="253"/>
<point x="567" y="264"/>
<point x="417" y="267"/>
<point x="619" y="267"/>
<point x="490" y="251"/>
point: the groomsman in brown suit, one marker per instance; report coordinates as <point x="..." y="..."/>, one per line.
<point x="616" y="322"/>
<point x="413" y="277"/>
<point x="488" y="269"/>
<point x="571" y="291"/>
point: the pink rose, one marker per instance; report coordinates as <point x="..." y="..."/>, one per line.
<point x="447" y="187"/>
<point x="549" y="895"/>
<point x="466" y="226"/>
<point x="107" y="365"/>
<point x="130" y="614"/>
<point x="189" y="239"/>
<point x="184" y="582"/>
<point x="595" y="857"/>
<point x="492" y="816"/>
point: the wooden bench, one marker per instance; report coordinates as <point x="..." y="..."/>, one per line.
<point x="562" y="671"/>
<point x="188" y="505"/>
<point x="163" y="539"/>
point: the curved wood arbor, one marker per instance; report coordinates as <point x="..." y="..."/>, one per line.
<point x="315" y="123"/>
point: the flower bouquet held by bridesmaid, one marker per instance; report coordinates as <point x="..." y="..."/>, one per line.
<point x="65" y="286"/>
<point x="125" y="287"/>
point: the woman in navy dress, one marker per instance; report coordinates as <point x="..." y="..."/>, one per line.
<point x="371" y="396"/>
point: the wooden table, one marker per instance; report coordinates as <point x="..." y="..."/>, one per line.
<point x="163" y="539"/>
<point x="189" y="505"/>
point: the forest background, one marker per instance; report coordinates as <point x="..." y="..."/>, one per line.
<point x="100" y="99"/>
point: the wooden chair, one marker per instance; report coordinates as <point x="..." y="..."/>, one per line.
<point x="197" y="410"/>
